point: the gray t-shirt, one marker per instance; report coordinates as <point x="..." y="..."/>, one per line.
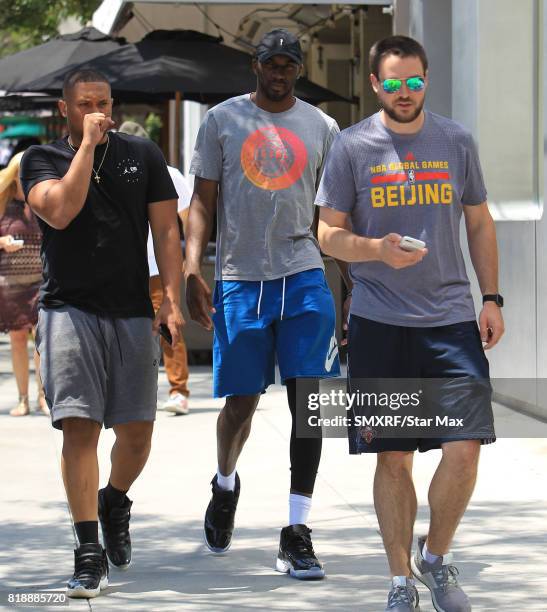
<point x="268" y="166"/>
<point x="413" y="185"/>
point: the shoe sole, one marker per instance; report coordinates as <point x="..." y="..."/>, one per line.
<point x="419" y="576"/>
<point x="213" y="549"/>
<point x="123" y="568"/>
<point x="87" y="593"/>
<point x="176" y="410"/>
<point x="284" y="567"/>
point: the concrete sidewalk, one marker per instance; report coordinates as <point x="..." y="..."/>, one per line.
<point x="500" y="547"/>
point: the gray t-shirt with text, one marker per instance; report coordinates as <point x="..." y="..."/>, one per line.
<point x="268" y="166"/>
<point x="414" y="185"/>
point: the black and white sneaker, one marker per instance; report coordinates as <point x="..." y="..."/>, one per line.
<point x="219" y="517"/>
<point x="90" y="572"/>
<point x="115" y="526"/>
<point x="296" y="555"/>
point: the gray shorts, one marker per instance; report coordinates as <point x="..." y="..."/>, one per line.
<point x="97" y="367"/>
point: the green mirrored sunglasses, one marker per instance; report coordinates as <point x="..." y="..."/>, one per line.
<point x="416" y="83"/>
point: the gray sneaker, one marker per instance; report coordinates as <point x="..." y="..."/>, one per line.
<point x="440" y="579"/>
<point x="403" y="596"/>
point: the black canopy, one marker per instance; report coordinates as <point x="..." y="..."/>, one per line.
<point x="168" y="61"/>
<point x="57" y="53"/>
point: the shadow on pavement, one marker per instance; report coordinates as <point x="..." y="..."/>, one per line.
<point x="173" y="568"/>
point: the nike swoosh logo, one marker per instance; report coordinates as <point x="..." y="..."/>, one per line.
<point x="331" y="355"/>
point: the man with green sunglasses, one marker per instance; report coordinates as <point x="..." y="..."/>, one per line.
<point x="415" y="83"/>
<point x="406" y="171"/>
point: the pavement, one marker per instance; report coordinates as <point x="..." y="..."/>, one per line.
<point x="500" y="547"/>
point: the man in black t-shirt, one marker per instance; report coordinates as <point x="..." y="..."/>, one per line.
<point x="95" y="192"/>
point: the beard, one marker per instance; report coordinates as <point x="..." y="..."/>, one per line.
<point x="396" y="115"/>
<point x="276" y="95"/>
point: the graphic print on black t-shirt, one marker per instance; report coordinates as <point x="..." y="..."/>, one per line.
<point x="98" y="262"/>
<point x="130" y="170"/>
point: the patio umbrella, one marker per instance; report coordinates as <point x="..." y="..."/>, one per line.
<point x="53" y="55"/>
<point x="169" y="61"/>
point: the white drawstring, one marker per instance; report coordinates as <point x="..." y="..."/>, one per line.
<point x="259" y="299"/>
<point x="283" y="299"/>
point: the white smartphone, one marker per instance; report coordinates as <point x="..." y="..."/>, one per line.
<point x="411" y="244"/>
<point x="17" y="242"/>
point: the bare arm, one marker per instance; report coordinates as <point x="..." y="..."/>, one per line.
<point x="58" y="202"/>
<point x="166" y="238"/>
<point x="183" y="216"/>
<point x="200" y="223"/>
<point x="343" y="269"/>
<point x="6" y="243"/>
<point x="483" y="248"/>
<point x="342" y="266"/>
<point x="339" y="242"/>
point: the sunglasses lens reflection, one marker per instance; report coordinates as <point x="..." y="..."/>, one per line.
<point x="415" y="84"/>
<point x="394" y="85"/>
<point x="391" y="85"/>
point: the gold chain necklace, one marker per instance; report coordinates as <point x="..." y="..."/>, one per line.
<point x="96" y="172"/>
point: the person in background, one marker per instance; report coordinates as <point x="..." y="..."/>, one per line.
<point x="175" y="357"/>
<point x="20" y="278"/>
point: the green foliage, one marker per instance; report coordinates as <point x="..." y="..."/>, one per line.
<point x="153" y="125"/>
<point x="25" y="23"/>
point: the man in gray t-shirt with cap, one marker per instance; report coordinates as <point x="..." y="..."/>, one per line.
<point x="258" y="160"/>
<point x="401" y="180"/>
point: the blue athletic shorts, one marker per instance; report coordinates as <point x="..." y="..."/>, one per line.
<point x="292" y="318"/>
<point x="452" y="352"/>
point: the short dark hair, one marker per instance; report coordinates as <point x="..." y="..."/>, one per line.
<point x="82" y="75"/>
<point x="403" y="46"/>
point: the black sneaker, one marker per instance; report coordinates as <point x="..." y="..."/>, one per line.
<point x="115" y="526"/>
<point x="219" y="517"/>
<point x="296" y="555"/>
<point x="90" y="572"/>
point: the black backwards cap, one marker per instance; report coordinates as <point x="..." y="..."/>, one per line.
<point x="279" y="42"/>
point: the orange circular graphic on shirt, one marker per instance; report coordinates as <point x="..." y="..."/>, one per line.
<point x="273" y="158"/>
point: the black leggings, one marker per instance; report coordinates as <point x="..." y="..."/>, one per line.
<point x="305" y="453"/>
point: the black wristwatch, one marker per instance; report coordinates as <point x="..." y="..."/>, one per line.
<point x="493" y="297"/>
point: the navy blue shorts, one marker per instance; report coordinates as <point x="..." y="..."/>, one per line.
<point x="292" y="319"/>
<point x="453" y="352"/>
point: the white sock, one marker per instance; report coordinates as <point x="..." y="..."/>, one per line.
<point x="228" y="483"/>
<point x="429" y="557"/>
<point x="401" y="581"/>
<point x="299" y="509"/>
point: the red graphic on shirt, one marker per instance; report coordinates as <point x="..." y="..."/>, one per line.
<point x="402" y="177"/>
<point x="410" y="156"/>
<point x="273" y="158"/>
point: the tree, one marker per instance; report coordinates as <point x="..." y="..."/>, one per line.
<point x="25" y="23"/>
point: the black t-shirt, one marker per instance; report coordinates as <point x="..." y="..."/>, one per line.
<point x="98" y="262"/>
